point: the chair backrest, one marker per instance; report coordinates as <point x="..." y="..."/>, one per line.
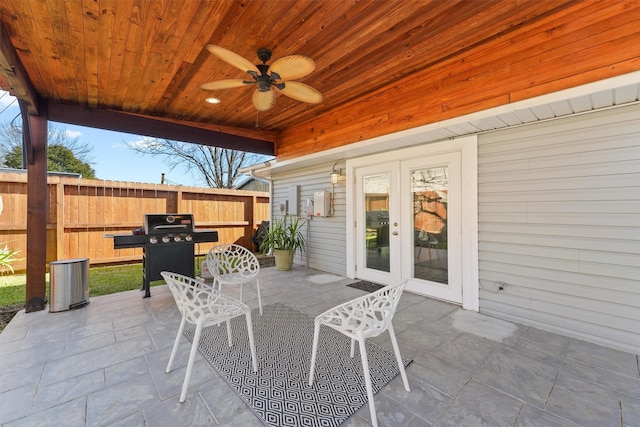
<point x="369" y="315"/>
<point x="195" y="299"/>
<point x="232" y="259"/>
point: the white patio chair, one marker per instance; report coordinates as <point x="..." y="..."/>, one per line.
<point x="364" y="317"/>
<point x="203" y="306"/>
<point x="234" y="265"/>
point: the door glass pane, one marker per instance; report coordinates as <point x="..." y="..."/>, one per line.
<point x="376" y="202"/>
<point x="430" y="189"/>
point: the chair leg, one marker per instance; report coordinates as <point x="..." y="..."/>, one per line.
<point x="367" y="381"/>
<point x="396" y="350"/>
<point x="259" y="299"/>
<point x="229" y="338"/>
<point x="353" y="348"/>
<point x="192" y="356"/>
<point x="176" y="343"/>
<point x="316" y="336"/>
<point x="252" y="344"/>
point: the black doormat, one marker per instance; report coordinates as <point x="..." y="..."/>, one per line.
<point x="366" y="286"/>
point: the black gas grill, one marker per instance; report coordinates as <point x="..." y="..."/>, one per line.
<point x="168" y="245"/>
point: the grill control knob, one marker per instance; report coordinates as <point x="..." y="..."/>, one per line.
<point x="153" y="240"/>
<point x="177" y="239"/>
<point x="188" y="238"/>
<point x="166" y="239"/>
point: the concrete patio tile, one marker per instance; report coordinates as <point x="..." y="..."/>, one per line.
<point x="123" y="371"/>
<point x="12" y="333"/>
<point x="194" y="412"/>
<point x="60" y="370"/>
<point x="467" y="351"/>
<point x="10" y="379"/>
<point x="518" y="375"/>
<point x="16" y="403"/>
<point x="535" y="417"/>
<point x="65" y="391"/>
<point x="478" y="405"/>
<point x="80" y="331"/>
<point x="542" y="345"/>
<point x="129" y="320"/>
<point x="170" y="385"/>
<point x="69" y="414"/>
<point x="88" y="343"/>
<point x="604" y="358"/>
<point x="135" y="420"/>
<point x="419" y="338"/>
<point x="163" y="334"/>
<point x="31" y="355"/>
<point x="416" y="421"/>
<point x="607" y="379"/>
<point x="584" y="403"/>
<point x="122" y="400"/>
<point x="388" y="411"/>
<point x="133" y="332"/>
<point x="225" y="404"/>
<point x="439" y="374"/>
<point x="630" y="412"/>
<point x="422" y="399"/>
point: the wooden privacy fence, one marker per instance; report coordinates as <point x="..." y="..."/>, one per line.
<point x="80" y="212"/>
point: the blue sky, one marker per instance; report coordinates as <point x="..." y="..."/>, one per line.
<point x="112" y="158"/>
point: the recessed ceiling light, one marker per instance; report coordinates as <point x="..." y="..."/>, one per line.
<point x="213" y="100"/>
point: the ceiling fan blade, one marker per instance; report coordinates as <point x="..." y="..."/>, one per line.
<point x="292" y="67"/>
<point x="302" y="92"/>
<point x="232" y="58"/>
<point x="263" y="101"/>
<point x="223" y="84"/>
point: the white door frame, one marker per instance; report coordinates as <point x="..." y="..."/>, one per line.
<point x="468" y="148"/>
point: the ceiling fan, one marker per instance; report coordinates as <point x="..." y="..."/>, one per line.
<point x="278" y="75"/>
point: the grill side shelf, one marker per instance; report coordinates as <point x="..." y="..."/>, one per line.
<point x="122" y="241"/>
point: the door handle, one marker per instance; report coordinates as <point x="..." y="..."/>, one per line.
<point x="395" y="233"/>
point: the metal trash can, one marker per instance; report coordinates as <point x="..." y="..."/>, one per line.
<point x="205" y="274"/>
<point x="68" y="284"/>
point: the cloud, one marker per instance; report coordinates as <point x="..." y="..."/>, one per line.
<point x="141" y="143"/>
<point x="72" y="133"/>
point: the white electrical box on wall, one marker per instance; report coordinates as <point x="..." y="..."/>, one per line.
<point x="322" y="203"/>
<point x="294" y="201"/>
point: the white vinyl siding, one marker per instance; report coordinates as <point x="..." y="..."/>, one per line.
<point x="326" y="240"/>
<point x="559" y="225"/>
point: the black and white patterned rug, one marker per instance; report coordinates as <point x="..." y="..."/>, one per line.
<point x="279" y="393"/>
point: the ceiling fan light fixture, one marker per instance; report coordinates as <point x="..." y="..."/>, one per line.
<point x="212" y="100"/>
<point x="279" y="75"/>
<point x="263" y="101"/>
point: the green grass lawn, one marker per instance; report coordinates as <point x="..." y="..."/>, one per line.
<point x="102" y="281"/>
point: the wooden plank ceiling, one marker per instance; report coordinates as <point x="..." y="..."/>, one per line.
<point x="148" y="57"/>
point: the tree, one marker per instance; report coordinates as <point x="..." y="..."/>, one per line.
<point x="215" y="167"/>
<point x="65" y="153"/>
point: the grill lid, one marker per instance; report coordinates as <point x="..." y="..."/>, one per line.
<point x="162" y="223"/>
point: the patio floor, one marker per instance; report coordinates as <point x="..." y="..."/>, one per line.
<point x="104" y="365"/>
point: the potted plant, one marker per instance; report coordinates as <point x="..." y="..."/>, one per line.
<point x="284" y="238"/>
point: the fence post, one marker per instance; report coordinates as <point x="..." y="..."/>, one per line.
<point x="59" y="225"/>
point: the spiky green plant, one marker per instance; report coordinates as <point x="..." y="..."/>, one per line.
<point x="7" y="257"/>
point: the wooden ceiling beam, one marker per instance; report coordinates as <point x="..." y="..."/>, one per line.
<point x="13" y="76"/>
<point x="224" y="137"/>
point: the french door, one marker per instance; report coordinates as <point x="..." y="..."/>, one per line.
<point x="408" y="224"/>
